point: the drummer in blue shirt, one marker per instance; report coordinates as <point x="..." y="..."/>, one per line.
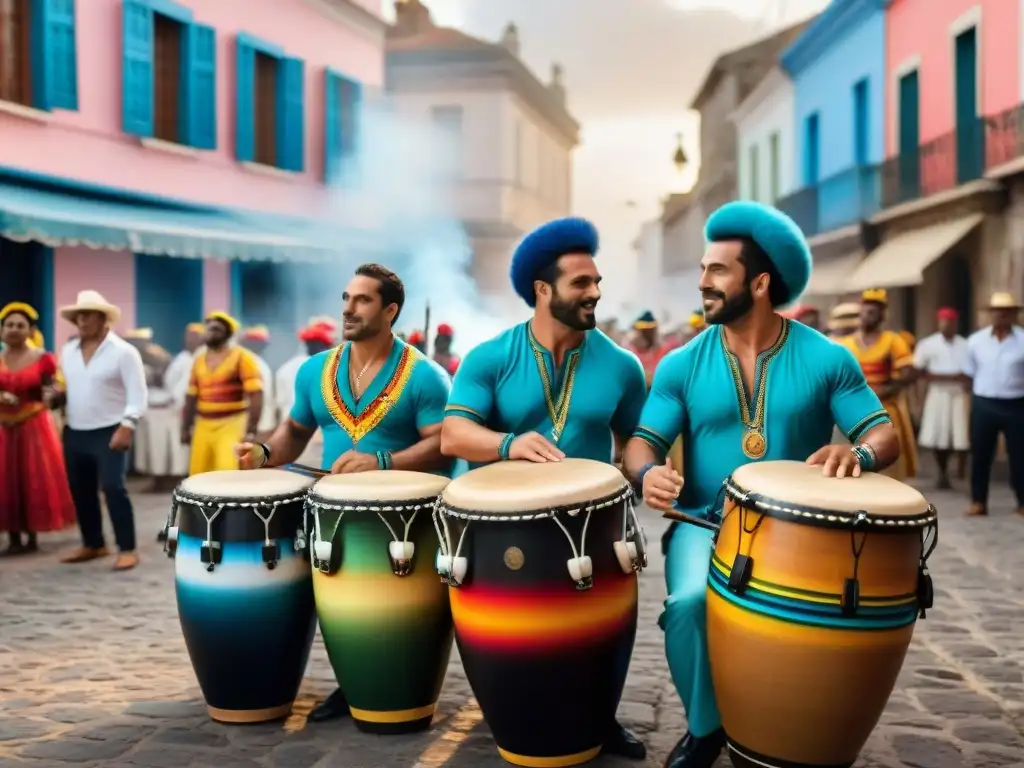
<point x="553" y="386"/>
<point x="756" y="387"/>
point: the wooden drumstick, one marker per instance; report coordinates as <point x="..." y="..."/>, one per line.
<point x="682" y="517"/>
<point x="303" y="469"/>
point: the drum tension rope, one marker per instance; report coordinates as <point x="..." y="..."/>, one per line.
<point x="743" y="565"/>
<point x="925" y="588"/>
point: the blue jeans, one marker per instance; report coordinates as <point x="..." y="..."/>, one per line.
<point x="92" y="467"/>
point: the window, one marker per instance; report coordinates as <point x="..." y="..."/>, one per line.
<point x="343" y="101"/>
<point x="169" y="74"/>
<point x="811" y="150"/>
<point x="38" y="62"/>
<point x="755" y="191"/>
<point x="860" y="123"/>
<point x="270" y="117"/>
<point x="449" y="121"/>
<point x="774" y="183"/>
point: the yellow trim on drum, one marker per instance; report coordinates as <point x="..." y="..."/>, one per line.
<point x="393" y="716"/>
<point x="550" y="762"/>
<point x="249" y="715"/>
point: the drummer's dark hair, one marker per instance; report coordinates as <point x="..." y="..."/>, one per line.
<point x="392" y="290"/>
<point x="756" y="262"/>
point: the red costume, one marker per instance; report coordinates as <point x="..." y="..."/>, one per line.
<point x="446" y="360"/>
<point x="34" y="494"/>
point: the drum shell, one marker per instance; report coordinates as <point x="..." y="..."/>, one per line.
<point x="789" y="692"/>
<point x="546" y="662"/>
<point x="248" y="628"/>
<point x="388" y="637"/>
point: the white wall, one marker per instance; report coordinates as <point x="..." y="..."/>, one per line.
<point x="768" y="109"/>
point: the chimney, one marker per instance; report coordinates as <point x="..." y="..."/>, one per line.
<point x="510" y="39"/>
<point x="411" y="17"/>
<point x="557" y="84"/>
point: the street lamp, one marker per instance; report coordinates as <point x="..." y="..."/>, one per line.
<point x="679" y="158"/>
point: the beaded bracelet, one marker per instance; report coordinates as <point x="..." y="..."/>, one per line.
<point x="384" y="460"/>
<point x="506" y="445"/>
<point x="865" y="456"/>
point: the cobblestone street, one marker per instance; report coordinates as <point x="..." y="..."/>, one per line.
<point x="94" y="671"/>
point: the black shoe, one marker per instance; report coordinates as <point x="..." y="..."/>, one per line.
<point x="623" y="743"/>
<point x="333" y="707"/>
<point x="693" y="752"/>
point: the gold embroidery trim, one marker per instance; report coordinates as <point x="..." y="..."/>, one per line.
<point x="754" y="442"/>
<point x="558" y="409"/>
<point x="359" y="425"/>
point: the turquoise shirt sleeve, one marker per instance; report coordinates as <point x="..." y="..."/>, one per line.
<point x="627" y="414"/>
<point x="432" y="388"/>
<point x="664" y="414"/>
<point x="472" y="395"/>
<point x="307" y="381"/>
<point x="855" y="407"/>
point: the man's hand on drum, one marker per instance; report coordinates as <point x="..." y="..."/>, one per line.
<point x="662" y="486"/>
<point x="250" y="455"/>
<point x="531" y="446"/>
<point x="354" y="461"/>
<point x="835" y="461"/>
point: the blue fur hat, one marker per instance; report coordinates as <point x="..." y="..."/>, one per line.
<point x="776" y="233"/>
<point x="544" y="246"/>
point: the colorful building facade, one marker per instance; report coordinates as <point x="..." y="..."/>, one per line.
<point x="153" y="149"/>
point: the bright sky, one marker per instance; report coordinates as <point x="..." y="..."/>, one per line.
<point x="631" y="69"/>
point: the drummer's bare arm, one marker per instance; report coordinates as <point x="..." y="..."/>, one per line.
<point x="463" y="438"/>
<point x="292" y="436"/>
<point x="432" y="385"/>
<point x="425" y="455"/>
<point x="252" y="382"/>
<point x="288" y="442"/>
<point x="663" y="414"/>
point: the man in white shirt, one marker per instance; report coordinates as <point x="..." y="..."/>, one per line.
<point x="942" y="359"/>
<point x="996" y="364"/>
<point x="105" y="392"/>
<point x="316" y="337"/>
<point x="256" y="339"/>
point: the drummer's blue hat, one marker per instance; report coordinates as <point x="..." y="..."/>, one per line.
<point x="544" y="246"/>
<point x="777" y="234"/>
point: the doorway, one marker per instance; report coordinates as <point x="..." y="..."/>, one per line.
<point x="962" y="293"/>
<point x="168" y="296"/>
<point x="969" y="134"/>
<point x="28" y="277"/>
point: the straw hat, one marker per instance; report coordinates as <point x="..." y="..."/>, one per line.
<point x="1003" y="300"/>
<point x="91" y="301"/>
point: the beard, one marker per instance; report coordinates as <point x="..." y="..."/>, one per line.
<point x="360" y="331"/>
<point x="733" y="307"/>
<point x="571" y="313"/>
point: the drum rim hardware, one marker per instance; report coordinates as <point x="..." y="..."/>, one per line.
<point x="828" y="518"/>
<point x="211" y="551"/>
<point x="401" y="552"/>
<point x="452" y="566"/>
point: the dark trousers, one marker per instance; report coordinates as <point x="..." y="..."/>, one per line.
<point x="989" y="417"/>
<point x="93" y="467"/>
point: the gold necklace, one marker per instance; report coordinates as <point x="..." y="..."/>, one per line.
<point x="356" y="385"/>
<point x="754" y="442"/>
<point x="558" y="409"/>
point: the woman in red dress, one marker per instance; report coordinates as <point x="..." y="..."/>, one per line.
<point x="34" y="493"/>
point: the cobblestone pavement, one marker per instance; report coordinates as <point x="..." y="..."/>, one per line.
<point x="94" y="672"/>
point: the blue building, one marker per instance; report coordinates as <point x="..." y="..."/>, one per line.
<point x="838" y="71"/>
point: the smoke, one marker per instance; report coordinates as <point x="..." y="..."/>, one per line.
<point x="392" y="203"/>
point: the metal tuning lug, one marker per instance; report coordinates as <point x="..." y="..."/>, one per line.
<point x="210" y="553"/>
<point x="271" y="554"/>
<point x="626" y="554"/>
<point x="581" y="570"/>
<point x="460" y="567"/>
<point x="171" y="542"/>
<point x="300" y="544"/>
<point x="443" y="565"/>
<point x="401" y="553"/>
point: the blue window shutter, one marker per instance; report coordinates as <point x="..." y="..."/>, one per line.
<point x="137" y="77"/>
<point x="332" y="125"/>
<point x="353" y="122"/>
<point x="54" y="60"/>
<point x="199" y="87"/>
<point x="245" y="102"/>
<point x="290" y="115"/>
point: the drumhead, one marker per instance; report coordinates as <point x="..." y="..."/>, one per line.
<point x="800" y="492"/>
<point x="385" y="487"/>
<point x="246" y="484"/>
<point x="515" y="487"/>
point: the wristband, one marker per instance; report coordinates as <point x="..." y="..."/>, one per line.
<point x="384" y="460"/>
<point x="266" y="454"/>
<point x="642" y="474"/>
<point x="865" y="456"/>
<point x="506" y="445"/>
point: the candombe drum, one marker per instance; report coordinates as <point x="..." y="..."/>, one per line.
<point x="384" y="615"/>
<point x="244" y="588"/>
<point x="542" y="562"/>
<point x="814" y="589"/>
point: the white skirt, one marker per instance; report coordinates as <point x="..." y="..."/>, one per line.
<point x="158" y="448"/>
<point x="945" y="424"/>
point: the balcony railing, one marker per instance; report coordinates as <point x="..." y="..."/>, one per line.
<point x="1004" y="137"/>
<point x="943" y="163"/>
<point x="842" y="199"/>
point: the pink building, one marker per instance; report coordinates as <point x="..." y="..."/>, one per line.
<point x="948" y="62"/>
<point x="137" y="132"/>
